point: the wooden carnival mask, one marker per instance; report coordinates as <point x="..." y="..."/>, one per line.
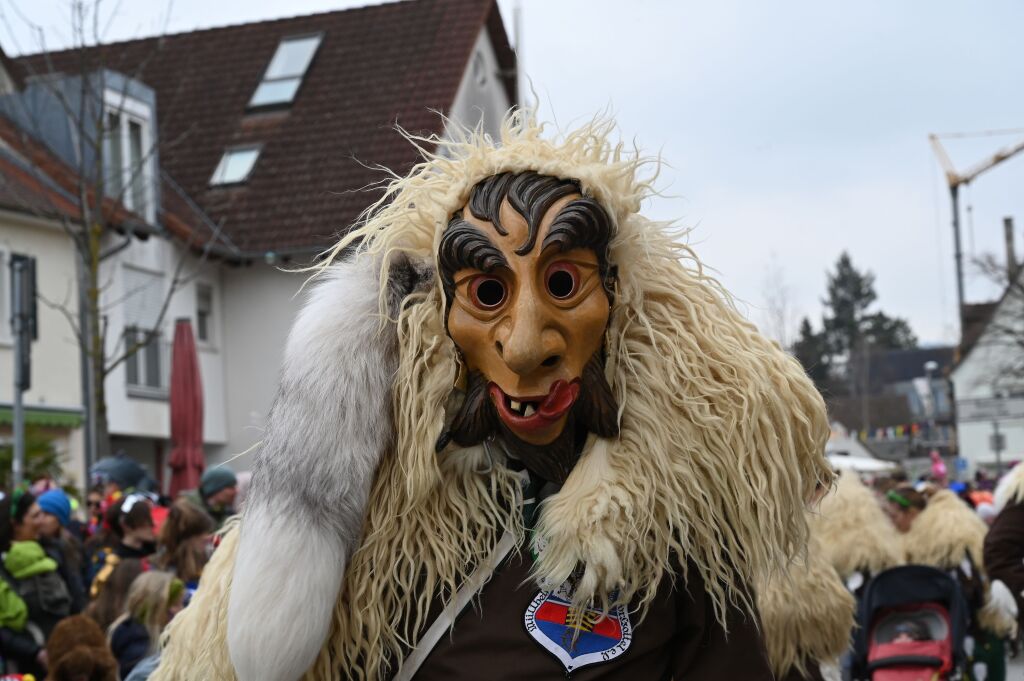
<point x="527" y="284"/>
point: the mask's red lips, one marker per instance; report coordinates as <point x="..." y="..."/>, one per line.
<point x="535" y="413"/>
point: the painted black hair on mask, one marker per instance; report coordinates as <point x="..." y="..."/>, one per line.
<point x="582" y="223"/>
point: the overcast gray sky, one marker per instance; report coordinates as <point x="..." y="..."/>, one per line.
<point x="794" y="129"/>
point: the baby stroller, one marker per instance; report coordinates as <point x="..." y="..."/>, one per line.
<point x="913" y="621"/>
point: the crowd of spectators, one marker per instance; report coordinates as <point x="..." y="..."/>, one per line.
<point x="86" y="589"/>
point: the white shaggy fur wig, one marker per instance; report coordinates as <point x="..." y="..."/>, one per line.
<point x="721" y="433"/>
<point x="944" y="533"/>
<point x="853" y="530"/>
<point x="806" y="614"/>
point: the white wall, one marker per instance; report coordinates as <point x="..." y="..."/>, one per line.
<point x="55" y="360"/>
<point x="488" y="99"/>
<point x="150" y="417"/>
<point x="260" y="303"/>
<point x="979" y="375"/>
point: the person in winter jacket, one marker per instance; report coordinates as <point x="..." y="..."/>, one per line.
<point x="517" y="393"/>
<point x="216" y="494"/>
<point x="131" y="522"/>
<point x="19" y="650"/>
<point x="1004" y="543"/>
<point x="35" y="574"/>
<point x="153" y="600"/>
<point x="61" y="545"/>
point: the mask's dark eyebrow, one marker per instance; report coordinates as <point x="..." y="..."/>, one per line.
<point x="582" y="223"/>
<point x="464" y="246"/>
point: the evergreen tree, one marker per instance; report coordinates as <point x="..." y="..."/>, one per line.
<point x="848" y="329"/>
<point x="850" y="293"/>
<point x="810" y="351"/>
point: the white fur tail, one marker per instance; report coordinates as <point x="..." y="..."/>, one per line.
<point x="330" y="424"/>
<point x="999" y="615"/>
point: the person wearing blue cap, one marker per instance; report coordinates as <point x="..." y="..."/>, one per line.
<point x="61" y="545"/>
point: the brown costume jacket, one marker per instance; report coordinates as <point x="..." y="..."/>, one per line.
<point x="494" y="638"/>
<point x="1004" y="552"/>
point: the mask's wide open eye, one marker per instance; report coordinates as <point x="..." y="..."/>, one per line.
<point x="562" y="280"/>
<point x="487" y="292"/>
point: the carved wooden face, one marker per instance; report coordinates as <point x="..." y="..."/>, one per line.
<point x="530" y="322"/>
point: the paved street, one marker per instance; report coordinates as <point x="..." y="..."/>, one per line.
<point x="1016" y="669"/>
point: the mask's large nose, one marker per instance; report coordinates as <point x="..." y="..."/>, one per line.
<point x="530" y="338"/>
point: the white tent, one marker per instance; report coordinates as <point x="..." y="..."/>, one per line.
<point x="860" y="464"/>
<point x="847" y="453"/>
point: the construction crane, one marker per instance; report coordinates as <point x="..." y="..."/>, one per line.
<point x="955" y="180"/>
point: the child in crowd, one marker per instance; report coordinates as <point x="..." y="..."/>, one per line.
<point x="154" y="598"/>
<point x="185" y="544"/>
<point x="108" y="604"/>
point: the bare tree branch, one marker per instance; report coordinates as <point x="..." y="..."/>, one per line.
<point x="65" y="312"/>
<point x="1005" y="329"/>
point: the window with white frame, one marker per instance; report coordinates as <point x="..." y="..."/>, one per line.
<point x="235" y="165"/>
<point x="128" y="160"/>
<point x="284" y="75"/>
<point x="479" y="69"/>
<point x="147" y="368"/>
<point x="204" y="313"/>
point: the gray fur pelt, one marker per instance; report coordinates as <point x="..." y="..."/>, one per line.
<point x="328" y="428"/>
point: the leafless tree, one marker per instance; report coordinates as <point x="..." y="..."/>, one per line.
<point x="100" y="224"/>
<point x="1004" y="332"/>
<point x="778" y="314"/>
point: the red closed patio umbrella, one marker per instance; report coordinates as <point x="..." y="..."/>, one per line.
<point x="187" y="458"/>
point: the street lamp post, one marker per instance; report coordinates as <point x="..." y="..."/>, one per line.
<point x="930" y="367"/>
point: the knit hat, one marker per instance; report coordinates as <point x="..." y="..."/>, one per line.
<point x="56" y="503"/>
<point x="215" y="479"/>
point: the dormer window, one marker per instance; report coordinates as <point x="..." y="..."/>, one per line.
<point x="235" y="165"/>
<point x="284" y="75"/>
<point x="129" y="156"/>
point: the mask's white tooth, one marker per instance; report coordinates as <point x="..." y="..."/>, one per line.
<point x="516" y="406"/>
<point x="529" y="411"/>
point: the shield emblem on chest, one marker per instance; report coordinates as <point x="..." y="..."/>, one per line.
<point x="577" y="636"/>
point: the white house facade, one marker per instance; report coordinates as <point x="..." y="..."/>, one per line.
<point x="54" y="402"/>
<point x="989" y="398"/>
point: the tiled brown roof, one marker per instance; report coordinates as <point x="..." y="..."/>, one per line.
<point x="376" y="66"/>
<point x="34" y="181"/>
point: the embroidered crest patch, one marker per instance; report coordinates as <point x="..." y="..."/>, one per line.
<point x="577" y="637"/>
